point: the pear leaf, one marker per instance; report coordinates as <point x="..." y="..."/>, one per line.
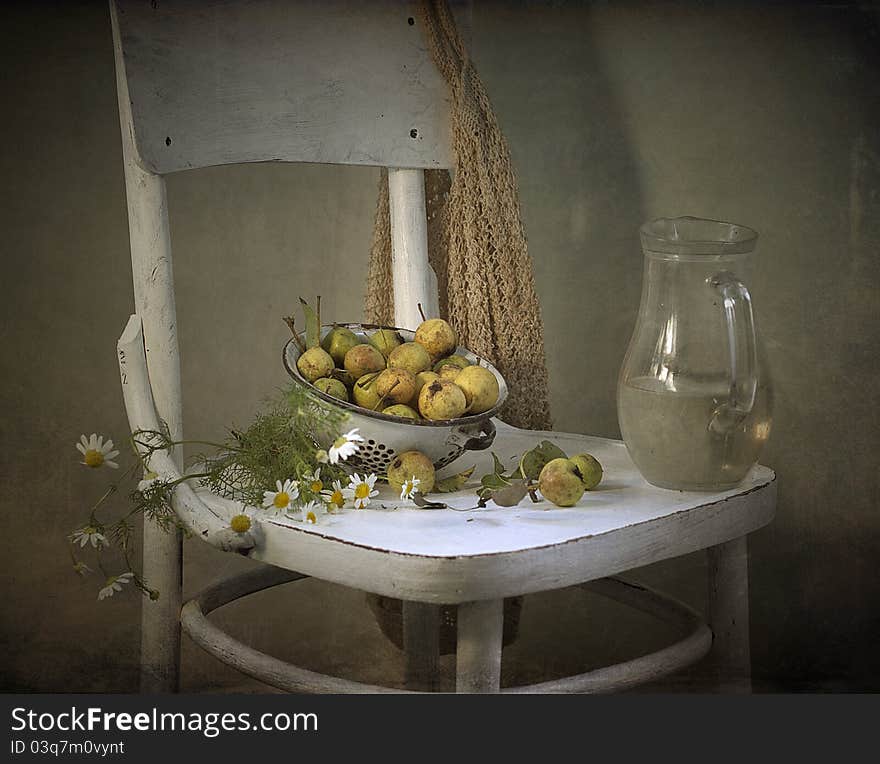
<point x="494" y="481"/>
<point x="313" y="326"/>
<point x="511" y="495"/>
<point x="454" y="482"/>
<point x="498" y="467"/>
<point x="532" y="462"/>
<point x="421" y="501"/>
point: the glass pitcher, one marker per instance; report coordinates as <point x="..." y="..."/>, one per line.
<point x="694" y="399"/>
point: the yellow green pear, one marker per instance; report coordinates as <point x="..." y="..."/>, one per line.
<point x="480" y="388"/>
<point x="363" y="359"/>
<point x="400" y="409"/>
<point x="589" y="469"/>
<point x="396" y="386"/>
<point x="449" y="372"/>
<point x="364" y="391"/>
<point x="452" y="360"/>
<point x="441" y="400"/>
<point x="338" y="341"/>
<point x="411" y="464"/>
<point x="422" y="379"/>
<point x="385" y="340"/>
<point x="437" y="337"/>
<point x="560" y="482"/>
<point x="332" y="387"/>
<point x="314" y="364"/>
<point x="410" y="356"/>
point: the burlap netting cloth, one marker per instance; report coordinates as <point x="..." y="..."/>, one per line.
<point x="476" y="242"/>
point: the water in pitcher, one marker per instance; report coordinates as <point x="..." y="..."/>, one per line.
<point x="669" y="438"/>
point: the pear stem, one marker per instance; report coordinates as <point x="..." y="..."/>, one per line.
<point x="289" y="320"/>
<point x="421" y="312"/>
<point x="382" y="399"/>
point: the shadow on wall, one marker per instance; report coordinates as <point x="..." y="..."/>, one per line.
<point x="580" y="193"/>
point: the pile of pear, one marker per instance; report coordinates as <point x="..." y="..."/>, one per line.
<point x="422" y="379"/>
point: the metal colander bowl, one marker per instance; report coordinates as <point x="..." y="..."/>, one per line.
<point x="386" y="436"/>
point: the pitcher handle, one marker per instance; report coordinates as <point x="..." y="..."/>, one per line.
<point x="736" y="304"/>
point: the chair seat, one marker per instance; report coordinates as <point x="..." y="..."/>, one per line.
<point x="448" y="556"/>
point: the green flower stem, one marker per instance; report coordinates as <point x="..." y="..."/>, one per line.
<point x="93" y="519"/>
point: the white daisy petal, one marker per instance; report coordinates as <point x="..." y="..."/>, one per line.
<point x="409" y="487"/>
<point x="352" y="436"/>
<point x="81" y="448"/>
<point x="114" y="584"/>
<point x="280" y="500"/>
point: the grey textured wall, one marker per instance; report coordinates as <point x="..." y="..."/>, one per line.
<point x="767" y="115"/>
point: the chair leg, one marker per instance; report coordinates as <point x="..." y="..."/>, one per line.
<point x="421" y="641"/>
<point x="150" y="239"/>
<point x="729" y="615"/>
<point x="160" y="620"/>
<point x="478" y="657"/>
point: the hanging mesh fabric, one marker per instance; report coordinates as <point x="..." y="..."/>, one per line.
<point x="476" y="242"/>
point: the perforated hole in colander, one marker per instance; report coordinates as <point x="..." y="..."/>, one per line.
<point x="373" y="457"/>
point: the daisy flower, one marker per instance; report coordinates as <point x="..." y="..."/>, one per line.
<point x="280" y="500"/>
<point x="309" y="512"/>
<point x="313" y="481"/>
<point x="360" y="490"/>
<point x="335" y="498"/>
<point x="114" y="584"/>
<point x="149" y="478"/>
<point x="89" y="534"/>
<point x="243" y="521"/>
<point x="96" y="452"/>
<point x="80" y="568"/>
<point x="344" y="446"/>
<point x="409" y="487"/>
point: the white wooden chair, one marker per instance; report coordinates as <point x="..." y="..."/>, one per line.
<point x="213" y="83"/>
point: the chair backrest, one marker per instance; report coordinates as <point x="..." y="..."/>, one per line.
<point x="214" y="82"/>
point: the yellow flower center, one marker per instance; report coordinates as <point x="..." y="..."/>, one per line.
<point x="340" y="441"/>
<point x="317" y="486"/>
<point x="337" y="498"/>
<point x="362" y="491"/>
<point x="281" y="500"/>
<point x="310" y="517"/>
<point x="240" y="523"/>
<point x="94" y="458"/>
